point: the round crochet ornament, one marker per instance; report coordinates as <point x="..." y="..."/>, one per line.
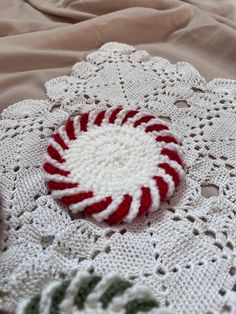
<point x="113" y="164"/>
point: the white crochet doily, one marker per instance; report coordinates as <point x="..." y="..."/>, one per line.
<point x="186" y="251"/>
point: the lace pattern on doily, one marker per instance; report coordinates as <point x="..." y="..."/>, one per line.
<point x="186" y="251"/>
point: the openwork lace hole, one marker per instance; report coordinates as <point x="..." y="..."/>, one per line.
<point x="210" y="234"/>
<point x="161" y="271"/>
<point x="46" y="241"/>
<point x="95" y="254"/>
<point x="191" y="219"/>
<point x="209" y="190"/>
<point x="181" y="104"/>
<point x="55" y="108"/>
<point x="226" y="308"/>
<point x="196" y="232"/>
<point x="232" y="271"/>
<point x="108" y="249"/>
<point x="16" y="169"/>
<point x="197" y="90"/>
<point x="219" y="245"/>
<point x="165" y="118"/>
<point x="222" y="292"/>
<point x="229" y="167"/>
<point x="123" y="231"/>
<point x="109" y="233"/>
<point x="177" y="218"/>
<point x="230" y="245"/>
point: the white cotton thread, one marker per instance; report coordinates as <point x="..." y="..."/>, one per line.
<point x="45" y="301"/>
<point x="110" y="169"/>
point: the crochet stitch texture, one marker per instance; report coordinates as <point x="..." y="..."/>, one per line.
<point x="185" y="252"/>
<point x="113" y="164"/>
<point x="92" y="294"/>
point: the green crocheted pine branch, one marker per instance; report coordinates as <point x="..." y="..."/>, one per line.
<point x="87" y="293"/>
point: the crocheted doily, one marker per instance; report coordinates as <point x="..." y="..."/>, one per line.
<point x="114" y="164"/>
<point x="92" y="294"/>
<point x="185" y="251"/>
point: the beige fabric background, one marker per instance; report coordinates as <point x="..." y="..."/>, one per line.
<point x="41" y="39"/>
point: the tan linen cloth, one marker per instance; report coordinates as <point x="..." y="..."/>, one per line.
<point x="42" y="39"/>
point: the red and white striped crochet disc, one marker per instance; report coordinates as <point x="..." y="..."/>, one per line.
<point x="113" y="164"/>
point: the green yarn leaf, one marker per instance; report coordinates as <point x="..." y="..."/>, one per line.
<point x="58" y="297"/>
<point x="116" y="288"/>
<point x="33" y="305"/>
<point x="142" y="304"/>
<point x="86" y="286"/>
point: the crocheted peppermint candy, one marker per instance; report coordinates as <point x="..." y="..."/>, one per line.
<point x="113" y="164"/>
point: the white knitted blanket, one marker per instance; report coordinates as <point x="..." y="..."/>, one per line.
<point x="186" y="251"/>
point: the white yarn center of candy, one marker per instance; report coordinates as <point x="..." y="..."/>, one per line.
<point x="113" y="160"/>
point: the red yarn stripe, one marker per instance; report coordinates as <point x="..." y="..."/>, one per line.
<point x="99" y="117"/>
<point x="84" y="121"/>
<point x="144" y="119"/>
<point x="156" y="127"/>
<point x="166" y="139"/>
<point x="129" y="115"/>
<point x="99" y="206"/>
<point x="172" y="172"/>
<point x="121" y="211"/>
<point x="53" y="185"/>
<point x="114" y="114"/>
<point x="54" y="170"/>
<point x="76" y="198"/>
<point x="70" y="130"/>
<point x="54" y="154"/>
<point x="162" y="187"/>
<point x="173" y="155"/>
<point x="146" y="201"/>
<point x="60" y="141"/>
